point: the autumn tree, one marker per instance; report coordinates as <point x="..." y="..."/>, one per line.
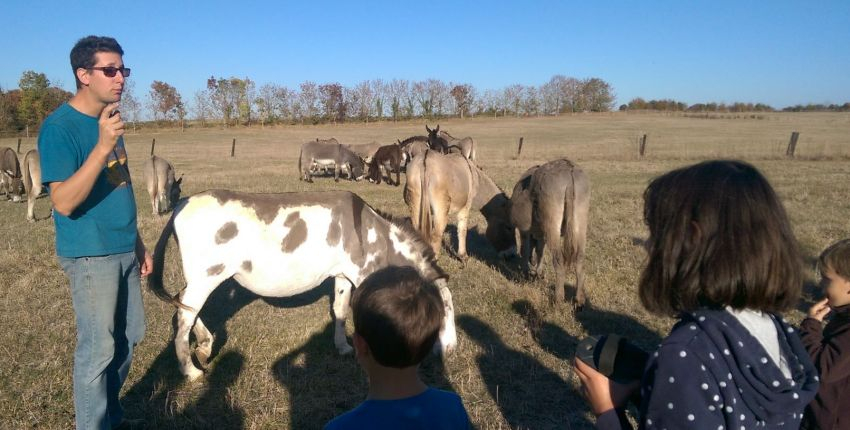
<point x="332" y="101"/>
<point x="308" y="99"/>
<point x="130" y="106"/>
<point x="164" y="101"/>
<point x="463" y="97"/>
<point x="597" y="95"/>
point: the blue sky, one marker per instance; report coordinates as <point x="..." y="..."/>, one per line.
<point x="775" y="52"/>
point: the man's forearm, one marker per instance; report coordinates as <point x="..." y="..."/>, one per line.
<point x="69" y="194"/>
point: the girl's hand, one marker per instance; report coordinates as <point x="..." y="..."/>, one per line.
<point x="819" y="310"/>
<point x="602" y="393"/>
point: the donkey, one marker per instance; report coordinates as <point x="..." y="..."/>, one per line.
<point x="414" y="146"/>
<point x="465" y="146"/>
<point x="439" y="185"/>
<point x="323" y="152"/>
<point x="162" y="187"/>
<point x="269" y="243"/>
<point x="32" y="181"/>
<point x="390" y="158"/>
<point x="549" y="207"/>
<point x="10" y="175"/>
<point x="436" y="142"/>
<point x="365" y="150"/>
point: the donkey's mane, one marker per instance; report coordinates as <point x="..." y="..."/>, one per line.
<point x="412" y="139"/>
<point x="419" y="244"/>
<point x="447" y="134"/>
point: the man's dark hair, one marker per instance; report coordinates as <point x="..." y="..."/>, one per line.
<point x="718" y="236"/>
<point x="82" y="54"/>
<point x="399" y="314"/>
<point x="837" y="258"/>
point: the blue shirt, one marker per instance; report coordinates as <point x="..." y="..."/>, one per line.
<point x="105" y="222"/>
<point x="433" y="409"/>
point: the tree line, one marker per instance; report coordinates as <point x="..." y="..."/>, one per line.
<point x="239" y="101"/>
<point x="676" y="106"/>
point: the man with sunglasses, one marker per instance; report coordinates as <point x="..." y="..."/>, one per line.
<point x="84" y="163"/>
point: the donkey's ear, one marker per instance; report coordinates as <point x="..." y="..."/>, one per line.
<point x="437" y="130"/>
<point x="180" y="179"/>
<point x="428" y="129"/>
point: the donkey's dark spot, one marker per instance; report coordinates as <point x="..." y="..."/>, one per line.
<point x="297" y="232"/>
<point x="334" y="232"/>
<point x="226" y="232"/>
<point x="247" y="266"/>
<point x="215" y="270"/>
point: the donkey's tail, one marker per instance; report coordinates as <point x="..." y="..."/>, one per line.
<point x="155" y="277"/>
<point x="425" y="200"/>
<point x="27" y="172"/>
<point x="300" y="172"/>
<point x="569" y="239"/>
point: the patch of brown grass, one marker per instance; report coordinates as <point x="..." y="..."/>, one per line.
<point x="275" y="364"/>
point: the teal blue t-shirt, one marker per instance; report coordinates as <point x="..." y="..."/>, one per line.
<point x="432" y="410"/>
<point x="105" y="222"/>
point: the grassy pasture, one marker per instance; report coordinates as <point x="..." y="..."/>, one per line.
<point x="275" y="365"/>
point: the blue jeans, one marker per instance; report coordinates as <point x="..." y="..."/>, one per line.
<point x="107" y="297"/>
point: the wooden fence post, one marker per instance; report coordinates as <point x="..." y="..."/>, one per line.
<point x="233" y="148"/>
<point x="792" y="144"/>
<point x="19" y="145"/>
<point x="642" y="148"/>
<point x="153" y="144"/>
<point x="519" y="148"/>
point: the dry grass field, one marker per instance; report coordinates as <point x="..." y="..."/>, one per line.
<point x="275" y="365"/>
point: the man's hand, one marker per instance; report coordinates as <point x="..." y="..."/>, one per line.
<point x="111" y="127"/>
<point x="819" y="310"/>
<point x="144" y="257"/>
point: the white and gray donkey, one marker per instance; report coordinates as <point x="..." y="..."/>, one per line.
<point x="161" y="185"/>
<point x="269" y="243"/>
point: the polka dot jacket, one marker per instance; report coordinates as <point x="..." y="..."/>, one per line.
<point x="711" y="373"/>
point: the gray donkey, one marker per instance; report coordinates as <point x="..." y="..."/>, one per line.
<point x="161" y="185"/>
<point x="549" y="207"/>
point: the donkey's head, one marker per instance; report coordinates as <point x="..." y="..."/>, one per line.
<point x="435" y="141"/>
<point x="174" y="193"/>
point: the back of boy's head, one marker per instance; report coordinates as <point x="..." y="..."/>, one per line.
<point x="399" y="314"/>
<point x="718" y="236"/>
<point x="837" y="258"/>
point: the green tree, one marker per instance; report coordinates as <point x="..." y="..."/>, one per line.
<point x="33" y="106"/>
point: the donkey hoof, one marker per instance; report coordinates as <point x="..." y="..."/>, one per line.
<point x="203" y="359"/>
<point x="194" y="374"/>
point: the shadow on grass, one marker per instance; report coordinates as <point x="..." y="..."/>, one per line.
<point x="479" y="248"/>
<point x="528" y="394"/>
<point x="151" y="397"/>
<point x="322" y="384"/>
<point x="151" y="400"/>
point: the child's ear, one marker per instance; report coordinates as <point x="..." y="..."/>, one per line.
<point x="361" y="348"/>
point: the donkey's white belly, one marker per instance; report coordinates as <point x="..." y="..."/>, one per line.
<point x="271" y="259"/>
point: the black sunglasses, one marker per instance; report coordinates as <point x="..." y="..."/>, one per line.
<point x="110" y="71"/>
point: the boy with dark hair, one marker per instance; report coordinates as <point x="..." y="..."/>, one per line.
<point x="84" y="165"/>
<point x="829" y="346"/>
<point x="397" y="318"/>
